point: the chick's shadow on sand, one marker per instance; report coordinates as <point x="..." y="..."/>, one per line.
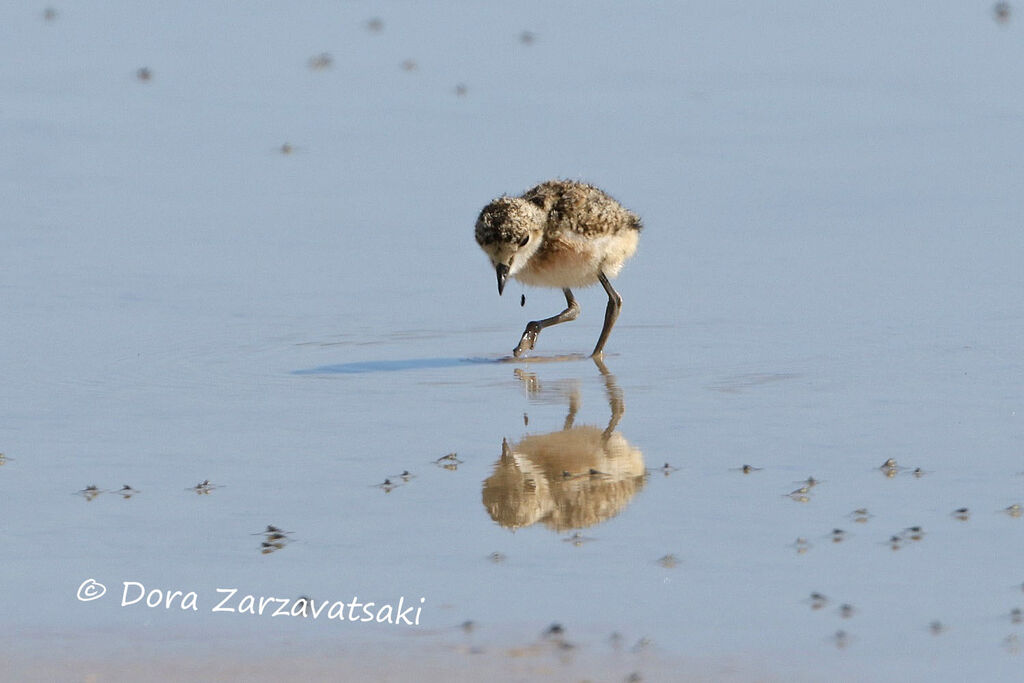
<point x="371" y="366"/>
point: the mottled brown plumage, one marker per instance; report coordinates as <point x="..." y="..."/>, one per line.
<point x="562" y="234"/>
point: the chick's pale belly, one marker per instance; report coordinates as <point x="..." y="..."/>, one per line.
<point x="572" y="261"/>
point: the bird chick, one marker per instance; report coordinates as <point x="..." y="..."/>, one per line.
<point x="561" y="234"/>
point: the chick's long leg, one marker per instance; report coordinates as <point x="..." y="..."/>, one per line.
<point x="533" y="328"/>
<point x="610" y="314"/>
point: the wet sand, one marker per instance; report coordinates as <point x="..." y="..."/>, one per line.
<point x="430" y="659"/>
<point x="238" y="276"/>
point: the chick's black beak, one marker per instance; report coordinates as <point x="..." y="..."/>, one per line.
<point x="502" y="271"/>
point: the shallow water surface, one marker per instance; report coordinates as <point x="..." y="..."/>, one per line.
<point x="299" y="367"/>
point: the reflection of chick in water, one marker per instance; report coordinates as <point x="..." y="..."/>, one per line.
<point x="570" y="479"/>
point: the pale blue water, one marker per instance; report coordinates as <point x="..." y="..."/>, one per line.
<point x="829" y="277"/>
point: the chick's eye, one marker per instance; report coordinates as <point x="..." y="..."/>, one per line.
<point x="522" y="242"/>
